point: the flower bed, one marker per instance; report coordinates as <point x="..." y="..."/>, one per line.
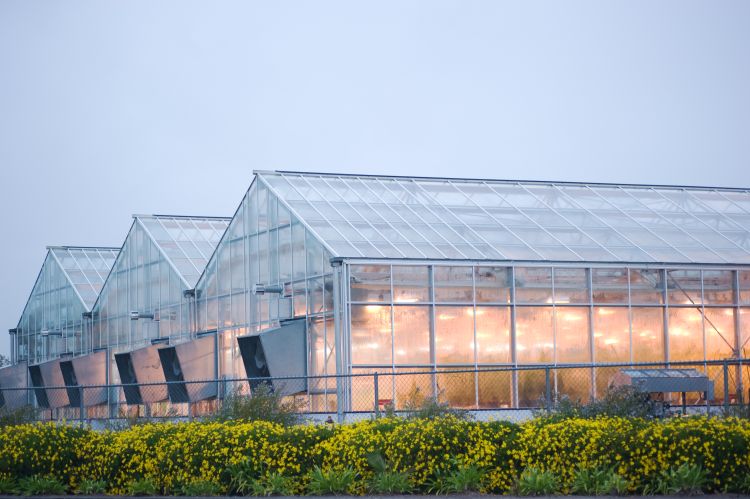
<point x="427" y="455"/>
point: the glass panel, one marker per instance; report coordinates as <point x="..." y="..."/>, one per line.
<point x="685" y="334"/>
<point x="454" y="335"/>
<point x="745" y="332"/>
<point x="718" y="287"/>
<point x="648" y="334"/>
<point x="458" y="389"/>
<point x="571" y="286"/>
<point x="454" y="284"/>
<point x="533" y="284"/>
<point x="532" y="388"/>
<point x="646" y="286"/>
<point x="572" y="335"/>
<point x="493" y="335"/>
<point x="412" y="389"/>
<point x="494" y="389"/>
<point x="371" y="335"/>
<point x="573" y="383"/>
<point x="744" y="290"/>
<point x="684" y="287"/>
<point x="610" y="285"/>
<point x="370" y="283"/>
<point x="411" y="334"/>
<point x="411" y="283"/>
<point x="534" y="335"/>
<point x="719" y="329"/>
<point x="492" y="284"/>
<point x="611" y="334"/>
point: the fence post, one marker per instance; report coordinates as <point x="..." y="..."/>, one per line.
<point x="81" y="414"/>
<point x="377" y="394"/>
<point x="726" y="384"/>
<point x="547" y="388"/>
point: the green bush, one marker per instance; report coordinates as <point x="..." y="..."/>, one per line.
<point x="598" y="482"/>
<point x="91" y="487"/>
<point x="8" y="486"/>
<point x="25" y="414"/>
<point x="143" y="487"/>
<point x="332" y="482"/>
<point x="41" y="485"/>
<point x="684" y="479"/>
<point x="265" y="404"/>
<point x="201" y="488"/>
<point x="273" y="484"/>
<point x="534" y="482"/>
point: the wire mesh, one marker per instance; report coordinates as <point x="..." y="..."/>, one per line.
<point x="503" y="392"/>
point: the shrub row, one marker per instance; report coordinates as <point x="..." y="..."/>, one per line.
<point x="603" y="455"/>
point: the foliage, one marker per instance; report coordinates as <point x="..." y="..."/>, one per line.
<point x="621" y="401"/>
<point x="386" y="455"/>
<point x="142" y="487"/>
<point x="460" y="479"/>
<point x="332" y="482"/>
<point x="8" y="486"/>
<point x="430" y="407"/>
<point x="265" y="404"/>
<point x="385" y="480"/>
<point x="21" y="415"/>
<point x="273" y="484"/>
<point x="535" y="482"/>
<point x="201" y="488"/>
<point x="598" y="482"/>
<point x="684" y="479"/>
<point x="91" y="487"/>
<point x="41" y="485"/>
<point x="391" y="482"/>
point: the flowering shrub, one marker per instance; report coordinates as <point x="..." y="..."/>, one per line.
<point x="174" y="456"/>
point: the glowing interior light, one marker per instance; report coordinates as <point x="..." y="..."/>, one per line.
<point x="446" y="317"/>
<point x="372" y="308"/>
<point x="406" y="300"/>
<point x="611" y="341"/>
<point x="605" y="311"/>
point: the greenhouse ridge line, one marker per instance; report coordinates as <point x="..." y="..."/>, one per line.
<point x="511" y="181"/>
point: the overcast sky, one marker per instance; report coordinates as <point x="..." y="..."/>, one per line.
<point x="109" y="108"/>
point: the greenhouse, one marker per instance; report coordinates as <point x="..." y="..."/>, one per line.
<point x="394" y="274"/>
<point x="334" y="277"/>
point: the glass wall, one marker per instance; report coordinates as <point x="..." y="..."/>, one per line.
<point x="52" y="323"/>
<point x="442" y="317"/>
<point x="266" y="244"/>
<point x="142" y="281"/>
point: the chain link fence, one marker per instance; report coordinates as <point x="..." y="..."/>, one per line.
<point x="511" y="393"/>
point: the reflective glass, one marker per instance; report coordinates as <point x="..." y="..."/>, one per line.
<point x="533" y="284"/>
<point x="684" y="287"/>
<point x="411" y="283"/>
<point x="371" y="334"/>
<point x="454" y="335"/>
<point x="493" y="335"/>
<point x="719" y="329"/>
<point x="492" y="284"/>
<point x="644" y="224"/>
<point x="571" y="285"/>
<point x="610" y="285"/>
<point x="611" y="334"/>
<point x="454" y="284"/>
<point x="648" y="334"/>
<point x="646" y="286"/>
<point x="572" y="341"/>
<point x="370" y="283"/>
<point x="534" y="335"/>
<point x="718" y="287"/>
<point x="685" y="334"/>
<point x="411" y="335"/>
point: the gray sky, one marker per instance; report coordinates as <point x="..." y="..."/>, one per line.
<point x="109" y="108"/>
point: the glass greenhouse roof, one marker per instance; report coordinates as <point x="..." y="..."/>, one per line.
<point x="434" y="218"/>
<point x="187" y="242"/>
<point x="85" y="268"/>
